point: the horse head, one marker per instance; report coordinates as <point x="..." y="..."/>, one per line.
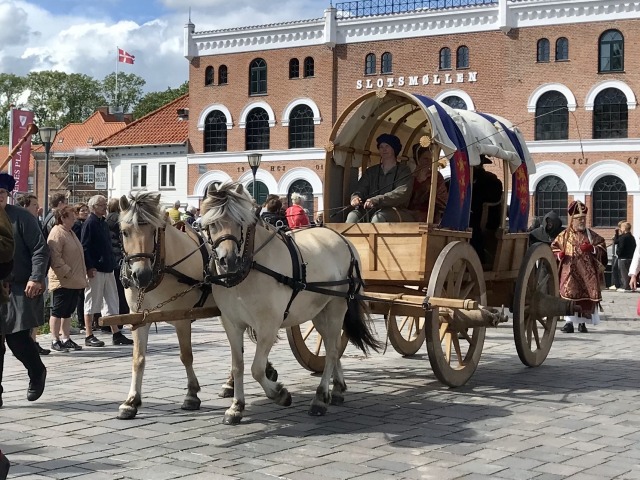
<point x="227" y="216"/>
<point x="141" y="229"/>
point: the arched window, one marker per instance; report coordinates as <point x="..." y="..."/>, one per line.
<point x="309" y="67"/>
<point x="208" y="75"/>
<point x="261" y="192"/>
<point x="462" y="57"/>
<point x="294" y="68"/>
<point x="222" y="75"/>
<point x="551" y="195"/>
<point x="552" y="117"/>
<point x="543" y="50"/>
<point x="609" y="201"/>
<point x="455" y="102"/>
<point x="370" y="64"/>
<point x="611" y="52"/>
<point x="445" y="59"/>
<point x="562" y="49"/>
<point x="257" y="130"/>
<point x="303" y="188"/>
<point x="215" y="132"/>
<point x="258" y="77"/>
<point x="386" y="63"/>
<point x="301" y="128"/>
<point x="610" y="114"/>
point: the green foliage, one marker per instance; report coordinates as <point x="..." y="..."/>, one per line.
<point x="129" y="90"/>
<point x="154" y="100"/>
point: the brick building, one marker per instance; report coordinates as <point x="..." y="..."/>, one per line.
<point x="565" y="72"/>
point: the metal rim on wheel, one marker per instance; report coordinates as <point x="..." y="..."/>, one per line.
<point x="454" y="354"/>
<point x="308" y="347"/>
<point x="406" y="332"/>
<point x="532" y="331"/>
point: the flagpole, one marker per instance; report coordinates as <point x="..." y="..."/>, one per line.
<point x="117" y="61"/>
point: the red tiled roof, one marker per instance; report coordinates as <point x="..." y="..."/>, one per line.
<point x="84" y="135"/>
<point x="160" y="127"/>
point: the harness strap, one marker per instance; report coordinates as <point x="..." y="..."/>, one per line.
<point x="299" y="270"/>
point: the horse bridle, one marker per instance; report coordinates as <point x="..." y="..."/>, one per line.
<point x="244" y="243"/>
<point x="156" y="257"/>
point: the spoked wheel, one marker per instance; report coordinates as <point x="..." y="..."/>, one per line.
<point x="406" y="332"/>
<point x="533" y="331"/>
<point x="308" y="347"/>
<point x="454" y="353"/>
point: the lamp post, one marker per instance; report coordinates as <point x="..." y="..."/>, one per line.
<point x="47" y="134"/>
<point x="254" y="163"/>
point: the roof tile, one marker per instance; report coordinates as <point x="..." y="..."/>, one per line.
<point x="84" y="135"/>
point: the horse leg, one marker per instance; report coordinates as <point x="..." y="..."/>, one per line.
<point x="129" y="409"/>
<point x="263" y="374"/>
<point x="339" y="385"/>
<point x="235" y="335"/>
<point x="191" y="400"/>
<point x="227" y="388"/>
<point x="329" y="324"/>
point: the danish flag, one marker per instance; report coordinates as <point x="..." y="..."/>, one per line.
<point x="124" y="57"/>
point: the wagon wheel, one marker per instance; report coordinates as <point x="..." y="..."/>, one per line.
<point x="406" y="332"/>
<point x="532" y="331"/>
<point x="454" y="353"/>
<point x="308" y="347"/>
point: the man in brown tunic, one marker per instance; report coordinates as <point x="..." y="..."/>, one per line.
<point x="582" y="255"/>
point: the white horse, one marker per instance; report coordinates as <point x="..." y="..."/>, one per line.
<point x="254" y="261"/>
<point x="161" y="261"/>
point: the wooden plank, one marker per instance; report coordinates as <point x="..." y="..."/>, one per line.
<point x="160" y="316"/>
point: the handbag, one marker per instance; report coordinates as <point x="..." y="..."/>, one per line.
<point x="638" y="308"/>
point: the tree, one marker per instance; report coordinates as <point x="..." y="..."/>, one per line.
<point x="154" y="100"/>
<point x="129" y="90"/>
<point x="46" y="96"/>
<point x="82" y="95"/>
<point x="11" y="88"/>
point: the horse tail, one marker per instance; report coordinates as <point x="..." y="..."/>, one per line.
<point x="357" y="326"/>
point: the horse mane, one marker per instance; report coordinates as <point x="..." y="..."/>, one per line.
<point x="143" y="209"/>
<point x="228" y="200"/>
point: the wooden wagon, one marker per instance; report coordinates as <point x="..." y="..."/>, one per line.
<point x="425" y="278"/>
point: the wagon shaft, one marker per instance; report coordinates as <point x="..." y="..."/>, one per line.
<point x="483" y="317"/>
<point x="543" y="305"/>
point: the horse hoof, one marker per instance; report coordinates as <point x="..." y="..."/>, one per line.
<point x="317" y="410"/>
<point x="226" y="392"/>
<point x="284" y="398"/>
<point x="191" y="403"/>
<point x="337" y="399"/>
<point x="127" y="413"/>
<point x="231" y="419"/>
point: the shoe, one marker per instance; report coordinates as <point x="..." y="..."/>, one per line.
<point x="58" y="346"/>
<point x="120" y="339"/>
<point x="36" y="386"/>
<point x="92" y="341"/>
<point x="613" y="287"/>
<point x="582" y="328"/>
<point x="42" y="351"/>
<point x="568" y="328"/>
<point x="71" y="345"/>
<point x="621" y="290"/>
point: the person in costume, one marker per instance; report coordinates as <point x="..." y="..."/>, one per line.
<point x="582" y="257"/>
<point x="384" y="190"/>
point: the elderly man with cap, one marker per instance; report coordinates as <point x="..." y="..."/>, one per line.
<point x="384" y="190"/>
<point x="25" y="307"/>
<point x="582" y="254"/>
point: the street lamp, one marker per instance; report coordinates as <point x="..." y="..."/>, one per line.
<point x="47" y="134"/>
<point x="254" y="163"/>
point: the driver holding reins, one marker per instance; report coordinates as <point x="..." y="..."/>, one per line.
<point x="384" y="190"/>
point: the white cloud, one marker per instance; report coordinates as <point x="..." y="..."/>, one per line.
<point x="14" y="28"/>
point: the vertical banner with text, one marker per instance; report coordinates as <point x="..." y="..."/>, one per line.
<point x="20" y="163"/>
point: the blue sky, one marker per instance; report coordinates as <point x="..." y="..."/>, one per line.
<point x="80" y="36"/>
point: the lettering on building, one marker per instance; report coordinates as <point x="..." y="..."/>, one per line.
<point x="415" y="80"/>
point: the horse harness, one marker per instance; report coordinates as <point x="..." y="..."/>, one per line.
<point x="159" y="268"/>
<point x="298" y="281"/>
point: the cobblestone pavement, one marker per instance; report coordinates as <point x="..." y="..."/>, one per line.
<point x="575" y="417"/>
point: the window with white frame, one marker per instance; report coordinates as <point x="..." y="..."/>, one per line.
<point x="167" y="175"/>
<point x="138" y="176"/>
<point x="88" y="172"/>
<point x="74" y="173"/>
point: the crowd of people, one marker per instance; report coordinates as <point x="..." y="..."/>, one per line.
<point x="72" y="255"/>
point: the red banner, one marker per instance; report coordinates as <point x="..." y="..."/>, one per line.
<point x="20" y="162"/>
